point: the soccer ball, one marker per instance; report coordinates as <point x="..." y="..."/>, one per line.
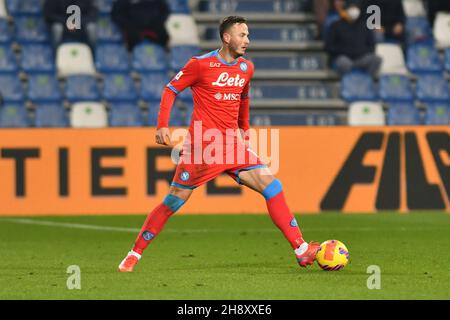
<point x="332" y="255"/>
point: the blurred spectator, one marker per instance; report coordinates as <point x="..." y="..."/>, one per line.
<point x="351" y="44"/>
<point x="392" y="19"/>
<point x="326" y="11"/>
<point x="142" y="20"/>
<point x="55" y="12"/>
<point x="434" y="6"/>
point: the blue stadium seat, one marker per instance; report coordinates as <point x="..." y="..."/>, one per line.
<point x="8" y="62"/>
<point x="108" y="31"/>
<point x="152" y="85"/>
<point x="177" y="116"/>
<point x="104" y="6"/>
<point x="432" y="88"/>
<point x="6" y="32"/>
<point x="24" y="7"/>
<point x="180" y="55"/>
<point x="320" y="91"/>
<point x="31" y="30"/>
<point x="252" y="6"/>
<point x="418" y="30"/>
<point x="447" y="60"/>
<point x="37" y="58"/>
<point x="403" y="113"/>
<point x="358" y="86"/>
<point x="305" y="62"/>
<point x="179" y="6"/>
<point x="149" y="57"/>
<point x="51" y="115"/>
<point x="81" y="88"/>
<point x="112" y="58"/>
<point x="43" y="88"/>
<point x="437" y="113"/>
<point x="300" y="33"/>
<point x="395" y="88"/>
<point x="423" y="58"/>
<point x="119" y="87"/>
<point x="11" y="89"/>
<point x="125" y="115"/>
<point x="14" y="116"/>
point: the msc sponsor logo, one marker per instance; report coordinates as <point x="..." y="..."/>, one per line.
<point x="224" y="80"/>
<point x="227" y="96"/>
<point x="406" y="166"/>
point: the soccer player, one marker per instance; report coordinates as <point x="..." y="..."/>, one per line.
<point x="220" y="82"/>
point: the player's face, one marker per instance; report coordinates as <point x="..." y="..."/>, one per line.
<point x="239" y="40"/>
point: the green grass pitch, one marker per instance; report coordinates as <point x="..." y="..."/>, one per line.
<point x="224" y="257"/>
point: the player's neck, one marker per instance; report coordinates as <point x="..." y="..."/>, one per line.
<point x="226" y="55"/>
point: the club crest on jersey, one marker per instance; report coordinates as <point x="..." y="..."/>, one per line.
<point x="243" y="66"/>
<point x="184" y="176"/>
<point x="224" y="80"/>
<point x="147" y="235"/>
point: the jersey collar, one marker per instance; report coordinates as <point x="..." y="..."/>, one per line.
<point x="223" y="61"/>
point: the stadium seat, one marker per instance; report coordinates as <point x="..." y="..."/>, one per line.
<point x="88" y="115"/>
<point x="8" y="62"/>
<point x="152" y="85"/>
<point x="422" y="58"/>
<point x="80" y="88"/>
<point x="180" y="55"/>
<point x="357" y="86"/>
<point x="414" y="8"/>
<point x="6" y="32"/>
<point x="74" y="58"/>
<point x="403" y="113"/>
<point x="50" y="115"/>
<point x="182" y="30"/>
<point x="125" y="115"/>
<point x="104" y="6"/>
<point x="24" y="7"/>
<point x="447" y="60"/>
<point x="31" y="30"/>
<point x="441" y="29"/>
<point x="37" y="58"/>
<point x="366" y="113"/>
<point x="112" y="58"/>
<point x="3" y="12"/>
<point x="252" y="6"/>
<point x="108" y="31"/>
<point x="395" y="88"/>
<point x="177" y="116"/>
<point x="119" y="87"/>
<point x="432" y="88"/>
<point x="437" y="113"/>
<point x="179" y="6"/>
<point x="393" y="59"/>
<point x="43" y="88"/>
<point x="149" y="57"/>
<point x="11" y="89"/>
<point x="418" y="30"/>
<point x="14" y="116"/>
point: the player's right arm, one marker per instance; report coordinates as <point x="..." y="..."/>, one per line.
<point x="187" y="77"/>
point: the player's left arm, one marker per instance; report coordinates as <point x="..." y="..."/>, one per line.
<point x="244" y="109"/>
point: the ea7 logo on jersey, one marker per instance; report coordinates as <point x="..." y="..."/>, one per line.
<point x="224" y="80"/>
<point x="214" y="65"/>
<point x="178" y="76"/>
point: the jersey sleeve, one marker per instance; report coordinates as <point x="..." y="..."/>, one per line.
<point x="244" y="109"/>
<point x="187" y="77"/>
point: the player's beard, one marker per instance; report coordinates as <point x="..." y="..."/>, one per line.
<point x="234" y="51"/>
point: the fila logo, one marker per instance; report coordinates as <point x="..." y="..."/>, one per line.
<point x="224" y="80"/>
<point x="227" y="96"/>
<point x="406" y="162"/>
<point x="214" y="65"/>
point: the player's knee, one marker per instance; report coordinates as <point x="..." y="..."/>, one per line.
<point x="173" y="202"/>
<point x="272" y="189"/>
<point x="181" y="193"/>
